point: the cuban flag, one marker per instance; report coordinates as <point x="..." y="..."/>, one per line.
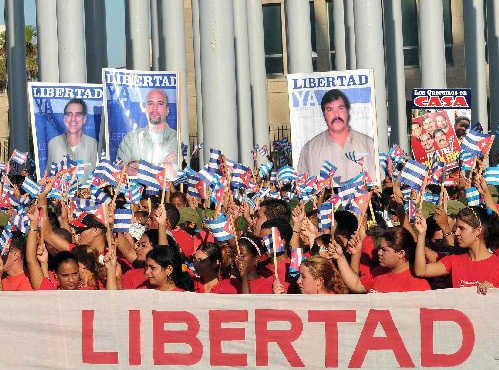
<point x="265" y="169"/>
<point x="410" y="208"/>
<point x="6" y="239"/>
<point x="21" y="221"/>
<point x="286" y="174"/>
<point x="327" y="170"/>
<point x="326" y="216"/>
<point x="122" y="220"/>
<point x="273" y="176"/>
<point x="133" y="193"/>
<point x="19" y="157"/>
<point x="208" y="177"/>
<point x="413" y="174"/>
<point x="491" y="175"/>
<point x="475" y="142"/>
<point x="99" y="195"/>
<point x="217" y="193"/>
<point x="397" y="154"/>
<point x="31" y="187"/>
<point x="356" y="157"/>
<point x="383" y="163"/>
<point x="437" y="169"/>
<point x="192" y="182"/>
<point x="220" y="228"/>
<point x="213" y="163"/>
<point x="359" y="203"/>
<point x="241" y="176"/>
<point x="432" y="198"/>
<point x="152" y="192"/>
<point x="107" y="171"/>
<point x="267" y="241"/>
<point x="294" y="265"/>
<point x="472" y="196"/>
<point x="278" y="243"/>
<point x="467" y="161"/>
<point x="79" y="205"/>
<point x="150" y="175"/>
<point x="347" y="191"/>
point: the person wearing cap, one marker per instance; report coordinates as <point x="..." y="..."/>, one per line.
<point x="157" y="142"/>
<point x="339" y="139"/>
<point x="73" y="141"/>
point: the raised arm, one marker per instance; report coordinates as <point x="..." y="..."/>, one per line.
<point x="349" y="276"/>
<point x="34" y="269"/>
<point x="421" y="268"/>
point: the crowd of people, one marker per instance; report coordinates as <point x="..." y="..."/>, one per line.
<point x="255" y="231"/>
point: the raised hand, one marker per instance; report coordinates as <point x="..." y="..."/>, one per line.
<point x="420" y="223"/>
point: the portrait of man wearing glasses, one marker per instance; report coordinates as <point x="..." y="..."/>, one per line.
<point x="73" y="141"/>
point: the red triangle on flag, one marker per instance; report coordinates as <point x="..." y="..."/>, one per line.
<point x="201" y="189"/>
<point x="100" y="214"/>
<point x="363" y="201"/>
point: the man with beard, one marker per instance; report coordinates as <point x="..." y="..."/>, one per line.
<point x="338" y="139"/>
<point x="157" y="142"/>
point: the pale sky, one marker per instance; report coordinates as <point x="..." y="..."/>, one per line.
<point x="115" y="18"/>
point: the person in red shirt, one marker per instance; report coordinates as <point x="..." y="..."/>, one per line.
<point x="13" y="267"/>
<point x="164" y="270"/>
<point x="479" y="266"/>
<point x="251" y="280"/>
<point x="396" y="249"/>
<point x="207" y="262"/>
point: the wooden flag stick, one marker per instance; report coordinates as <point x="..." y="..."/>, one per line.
<point x="118" y="187"/>
<point x="422" y="192"/>
<point x="163" y="185"/>
<point x="275" y="263"/>
<point x="108" y="229"/>
<point x="233" y="222"/>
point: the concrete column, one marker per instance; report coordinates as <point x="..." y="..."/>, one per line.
<point x="431" y="44"/>
<point x="394" y="44"/>
<point x="71" y="37"/>
<point x="96" y="39"/>
<point x="218" y="76"/>
<point x="474" y="46"/>
<point x="16" y="69"/>
<point x="493" y="49"/>
<point x="46" y="27"/>
<point x="137" y="34"/>
<point x="155" y="34"/>
<point x="369" y="52"/>
<point x="349" y="34"/>
<point x="172" y="49"/>
<point x="340" y="58"/>
<point x="196" y="38"/>
<point x="322" y="37"/>
<point x="258" y="73"/>
<point x="243" y="77"/>
<point x="298" y="33"/>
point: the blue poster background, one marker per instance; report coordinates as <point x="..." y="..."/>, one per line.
<point x="125" y="104"/>
<point x="48" y="114"/>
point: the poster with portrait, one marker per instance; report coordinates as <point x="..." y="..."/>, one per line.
<point x="434" y="112"/>
<point x="141" y="116"/>
<point x="65" y="119"/>
<point x="345" y="125"/>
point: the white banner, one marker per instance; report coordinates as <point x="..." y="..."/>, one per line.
<point x="140" y="329"/>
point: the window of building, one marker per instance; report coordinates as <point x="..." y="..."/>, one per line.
<point x="272" y="28"/>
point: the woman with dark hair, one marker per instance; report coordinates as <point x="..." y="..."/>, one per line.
<point x="164" y="270"/>
<point x="395" y="253"/>
<point x="207" y="261"/>
<point x="479" y="267"/>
